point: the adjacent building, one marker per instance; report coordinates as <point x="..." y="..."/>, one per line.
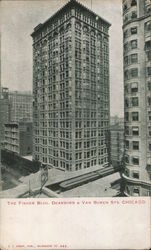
<point x="4" y="111"/>
<point x="18" y="138"/>
<point x="21" y="104"/>
<point x="117" y="141"/>
<point x="137" y="93"/>
<point x="71" y="89"/>
<point x="16" y="121"/>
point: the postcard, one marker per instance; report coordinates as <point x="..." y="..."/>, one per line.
<point x="75" y="124"/>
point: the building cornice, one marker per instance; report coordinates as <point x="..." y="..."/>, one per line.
<point x="136" y="181"/>
<point x="136" y="20"/>
<point x="71" y="3"/>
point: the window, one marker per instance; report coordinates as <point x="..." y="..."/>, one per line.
<point x="126" y="116"/>
<point x="148" y="26"/>
<point x="135" y="160"/>
<point x="126" y="172"/>
<point x="126" y="60"/>
<point x="126" y="74"/>
<point x="135" y="130"/>
<point x="133" y="30"/>
<point x="148" y="55"/>
<point x="127" y="158"/>
<point x="126" y="130"/>
<point x="134" y="72"/>
<point x="134" y="58"/>
<point x="125" y="33"/>
<point x="134" y="15"/>
<point x="125" y="47"/>
<point x="148" y="71"/>
<point x="127" y="144"/>
<point x="127" y="189"/>
<point x="135" y="116"/>
<point x="148" y="45"/>
<point x="134" y="101"/>
<point x="149" y="130"/>
<point x="133" y="2"/>
<point x="133" y="44"/>
<point x="135" y="145"/>
<point x="149" y="146"/>
<point x="126" y="102"/>
<point x="149" y="115"/>
<point x="78" y="26"/>
<point x="136" y="192"/>
<point x="28" y="129"/>
<point x="126" y="18"/>
<point x="135" y="175"/>
<point x="149" y="86"/>
<point x="134" y="87"/>
<point x="149" y="100"/>
<point x="126" y="89"/>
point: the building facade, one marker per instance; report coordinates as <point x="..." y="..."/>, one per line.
<point x="117" y="141"/>
<point x="71" y="89"/>
<point x="4" y="111"/>
<point x="21" y="104"/>
<point x="137" y="92"/>
<point x="18" y="138"/>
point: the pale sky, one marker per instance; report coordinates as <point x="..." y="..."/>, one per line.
<point x="18" y="19"/>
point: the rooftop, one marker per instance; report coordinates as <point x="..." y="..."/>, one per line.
<point x="69" y="4"/>
<point x="99" y="188"/>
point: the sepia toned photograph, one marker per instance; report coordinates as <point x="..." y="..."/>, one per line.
<point x="75" y="98"/>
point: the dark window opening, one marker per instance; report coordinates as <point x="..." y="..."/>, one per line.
<point x="135" y="160"/>
<point x="135" y="145"/>
<point x="135" y="175"/>
<point x="133" y="3"/>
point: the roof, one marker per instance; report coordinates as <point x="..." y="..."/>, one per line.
<point x="16" y="92"/>
<point x="69" y="4"/>
<point x="28" y="157"/>
<point x="99" y="188"/>
<point x="117" y="127"/>
<point x="56" y="175"/>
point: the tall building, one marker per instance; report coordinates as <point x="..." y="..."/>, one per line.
<point x="137" y="85"/>
<point x="21" y="104"/>
<point x="117" y="140"/>
<point x="71" y="89"/>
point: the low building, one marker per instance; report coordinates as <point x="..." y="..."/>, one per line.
<point x="117" y="141"/>
<point x="18" y="138"/>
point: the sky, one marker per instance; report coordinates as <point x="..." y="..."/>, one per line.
<point x="18" y="19"/>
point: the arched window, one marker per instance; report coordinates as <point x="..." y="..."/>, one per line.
<point x="68" y="27"/>
<point x="99" y="36"/>
<point x="92" y="33"/>
<point x="55" y="34"/>
<point x="78" y="25"/>
<point x="85" y="29"/>
<point x="61" y="30"/>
